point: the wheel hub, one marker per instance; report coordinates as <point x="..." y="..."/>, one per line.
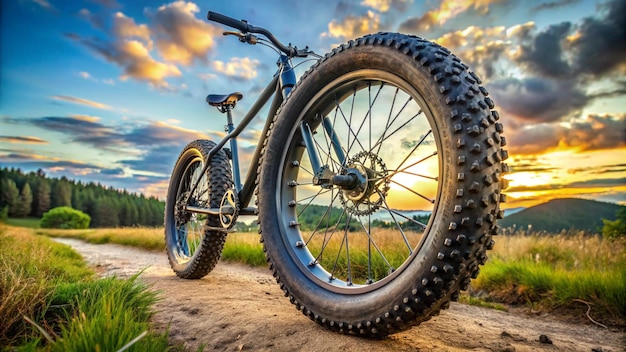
<point x="371" y="184"/>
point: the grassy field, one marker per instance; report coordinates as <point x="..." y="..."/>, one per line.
<point x="562" y="273"/>
<point x="32" y="223"/>
<point x="565" y="271"/>
<point x="50" y="301"/>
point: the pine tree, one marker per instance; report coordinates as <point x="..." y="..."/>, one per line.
<point x="41" y="201"/>
<point x="105" y="213"/>
<point x="25" y="200"/>
<point x="9" y="195"/>
<point x="61" y="194"/>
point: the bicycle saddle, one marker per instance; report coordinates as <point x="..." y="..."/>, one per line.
<point x="224" y="99"/>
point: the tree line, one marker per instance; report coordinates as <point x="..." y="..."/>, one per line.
<point x="32" y="194"/>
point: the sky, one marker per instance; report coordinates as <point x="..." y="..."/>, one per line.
<point x="110" y="91"/>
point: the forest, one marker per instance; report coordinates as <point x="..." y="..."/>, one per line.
<point x="32" y="194"/>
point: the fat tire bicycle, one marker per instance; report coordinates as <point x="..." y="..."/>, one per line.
<point x="377" y="178"/>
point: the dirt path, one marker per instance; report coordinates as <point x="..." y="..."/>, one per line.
<point x="239" y="308"/>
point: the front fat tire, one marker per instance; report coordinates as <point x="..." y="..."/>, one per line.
<point x="467" y="205"/>
<point x="218" y="180"/>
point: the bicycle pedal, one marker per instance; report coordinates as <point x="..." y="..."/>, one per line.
<point x="215" y="228"/>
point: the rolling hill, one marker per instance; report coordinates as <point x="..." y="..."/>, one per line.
<point x="566" y="213"/>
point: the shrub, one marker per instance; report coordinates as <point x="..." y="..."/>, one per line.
<point x="65" y="218"/>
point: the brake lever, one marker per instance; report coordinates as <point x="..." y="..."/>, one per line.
<point x="303" y="52"/>
<point x="244" y="38"/>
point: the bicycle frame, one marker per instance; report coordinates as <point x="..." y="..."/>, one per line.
<point x="278" y="88"/>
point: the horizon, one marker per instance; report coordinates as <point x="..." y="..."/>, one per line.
<point x="110" y="91"/>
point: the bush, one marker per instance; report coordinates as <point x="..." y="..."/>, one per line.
<point x="65" y="218"/>
<point x="616" y="228"/>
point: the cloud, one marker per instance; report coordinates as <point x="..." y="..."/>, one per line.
<point x="138" y="64"/>
<point x="154" y="145"/>
<point x="134" y="58"/>
<point x="600" y="44"/>
<point x="125" y="27"/>
<point x="34" y="161"/>
<point x="595" y="183"/>
<point x="551" y="5"/>
<point x="354" y="26"/>
<point x="160" y="133"/>
<point x="385" y="5"/>
<point x="544" y="56"/>
<point x="20" y="139"/>
<point x="595" y="48"/>
<point x="238" y="68"/>
<point x="82" y="101"/>
<point x="447" y="10"/>
<point x="173" y="34"/>
<point x="96" y="20"/>
<point x="598" y="170"/>
<point x="44" y="4"/>
<point x="158" y="159"/>
<point x="480" y="48"/>
<point x="595" y="132"/>
<point x="81" y="130"/>
<point x="181" y="37"/>
<point x="536" y="99"/>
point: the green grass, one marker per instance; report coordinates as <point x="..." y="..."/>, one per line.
<point x="549" y="272"/>
<point x="50" y="284"/>
<point x="244" y="248"/>
<point x="32" y="223"/>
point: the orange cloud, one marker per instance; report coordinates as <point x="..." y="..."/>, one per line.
<point x="447" y="10"/>
<point x="181" y="37"/>
<point x="26" y="139"/>
<point x="82" y="101"/>
<point x="125" y="27"/>
<point x="383" y="5"/>
<point x="595" y="132"/>
<point x="243" y="68"/>
<point x="140" y="65"/>
<point x="354" y="26"/>
<point x="86" y="118"/>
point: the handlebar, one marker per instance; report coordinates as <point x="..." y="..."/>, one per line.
<point x="244" y="27"/>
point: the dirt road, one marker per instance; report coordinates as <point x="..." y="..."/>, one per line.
<point x="239" y="308"/>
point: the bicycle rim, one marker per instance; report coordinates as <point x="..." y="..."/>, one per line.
<point x="352" y="241"/>
<point x="189" y="227"/>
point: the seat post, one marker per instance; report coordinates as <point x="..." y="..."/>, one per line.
<point x="234" y="151"/>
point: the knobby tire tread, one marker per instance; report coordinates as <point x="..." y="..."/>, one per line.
<point x="209" y="253"/>
<point x="480" y="159"/>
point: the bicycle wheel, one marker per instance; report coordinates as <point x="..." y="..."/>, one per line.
<point x="414" y="131"/>
<point x="193" y="249"/>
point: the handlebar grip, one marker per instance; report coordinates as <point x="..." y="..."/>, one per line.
<point x="229" y="21"/>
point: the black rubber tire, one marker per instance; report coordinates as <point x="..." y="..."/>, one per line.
<point x="469" y="193"/>
<point x="202" y="260"/>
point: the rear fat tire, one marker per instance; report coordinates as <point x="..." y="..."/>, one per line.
<point x="467" y="206"/>
<point x="218" y="180"/>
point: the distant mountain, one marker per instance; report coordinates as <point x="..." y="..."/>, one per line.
<point x="566" y="213"/>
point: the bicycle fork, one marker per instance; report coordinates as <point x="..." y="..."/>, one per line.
<point x="349" y="178"/>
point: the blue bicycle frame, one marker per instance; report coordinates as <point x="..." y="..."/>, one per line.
<point x="279" y="87"/>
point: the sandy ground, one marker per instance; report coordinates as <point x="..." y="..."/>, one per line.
<point x="237" y="308"/>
